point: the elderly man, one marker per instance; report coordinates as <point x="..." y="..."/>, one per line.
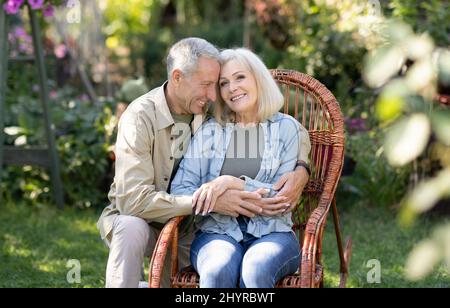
<point x="153" y="136"/>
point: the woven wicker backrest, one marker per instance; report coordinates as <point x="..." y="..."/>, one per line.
<point x="313" y="105"/>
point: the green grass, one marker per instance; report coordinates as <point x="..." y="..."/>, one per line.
<point x="37" y="243"/>
<point x="376" y="235"/>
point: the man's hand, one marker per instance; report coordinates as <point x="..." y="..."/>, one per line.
<point x="291" y="186"/>
<point x="204" y="199"/>
<point x="234" y="202"/>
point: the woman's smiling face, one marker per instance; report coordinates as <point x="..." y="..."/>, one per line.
<point x="238" y="89"/>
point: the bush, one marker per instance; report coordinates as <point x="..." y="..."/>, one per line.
<point x="373" y="181"/>
<point x="83" y="138"/>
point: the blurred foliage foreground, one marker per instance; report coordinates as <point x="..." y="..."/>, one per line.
<point x="408" y="68"/>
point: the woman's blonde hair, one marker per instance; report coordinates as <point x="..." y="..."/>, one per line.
<point x="270" y="99"/>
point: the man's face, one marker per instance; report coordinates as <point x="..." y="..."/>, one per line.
<point x="199" y="88"/>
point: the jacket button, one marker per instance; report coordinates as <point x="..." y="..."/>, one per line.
<point x="171" y="157"/>
<point x="166" y="179"/>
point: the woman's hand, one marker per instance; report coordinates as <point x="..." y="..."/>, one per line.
<point x="205" y="197"/>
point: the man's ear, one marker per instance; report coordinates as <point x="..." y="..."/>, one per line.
<point x="176" y="76"/>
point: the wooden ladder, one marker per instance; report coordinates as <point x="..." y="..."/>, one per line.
<point x="44" y="157"/>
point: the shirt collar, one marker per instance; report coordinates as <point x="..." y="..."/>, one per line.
<point x="163" y="116"/>
<point x="273" y="118"/>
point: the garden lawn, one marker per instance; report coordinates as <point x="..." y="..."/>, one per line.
<point x="37" y="243"/>
<point x="376" y="235"/>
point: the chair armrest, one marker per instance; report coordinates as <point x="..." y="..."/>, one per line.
<point x="168" y="234"/>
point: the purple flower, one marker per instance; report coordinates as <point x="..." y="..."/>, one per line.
<point x="19" y="32"/>
<point x="12" y="6"/>
<point x="356" y="125"/>
<point x="36" y="4"/>
<point x="27" y="38"/>
<point x="23" y="47"/>
<point x="48" y="11"/>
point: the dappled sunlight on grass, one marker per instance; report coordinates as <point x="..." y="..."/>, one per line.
<point x="377" y="236"/>
<point x="14" y="247"/>
<point x="49" y="266"/>
<point x="85" y="226"/>
<point x="63" y="243"/>
<point x="37" y="244"/>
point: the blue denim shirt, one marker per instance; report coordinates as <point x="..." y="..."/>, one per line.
<point x="204" y="159"/>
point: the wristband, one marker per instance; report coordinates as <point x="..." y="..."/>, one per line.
<point x="304" y="165"/>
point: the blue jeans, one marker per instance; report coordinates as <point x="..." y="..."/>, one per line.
<point x="222" y="262"/>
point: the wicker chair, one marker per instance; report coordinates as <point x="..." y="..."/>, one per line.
<point x="317" y="109"/>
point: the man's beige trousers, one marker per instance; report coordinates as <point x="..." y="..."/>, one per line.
<point x="130" y="241"/>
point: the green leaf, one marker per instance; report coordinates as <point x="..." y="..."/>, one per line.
<point x="422" y="260"/>
<point x="427" y="193"/>
<point x="440" y="121"/>
<point x="14" y="130"/>
<point x="383" y="64"/>
<point x="391" y="102"/>
<point x="420" y="75"/>
<point x="20" y="141"/>
<point x="428" y="253"/>
<point x="397" y="32"/>
<point x="444" y="66"/>
<point x="407" y="139"/>
<point x="419" y="47"/>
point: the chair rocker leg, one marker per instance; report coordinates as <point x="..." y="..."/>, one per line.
<point x="344" y="255"/>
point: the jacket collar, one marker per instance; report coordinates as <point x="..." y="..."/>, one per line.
<point x="274" y="117"/>
<point x="163" y="116"/>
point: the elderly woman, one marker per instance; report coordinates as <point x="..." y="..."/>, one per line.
<point x="248" y="145"/>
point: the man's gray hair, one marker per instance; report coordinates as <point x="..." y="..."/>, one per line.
<point x="184" y="54"/>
